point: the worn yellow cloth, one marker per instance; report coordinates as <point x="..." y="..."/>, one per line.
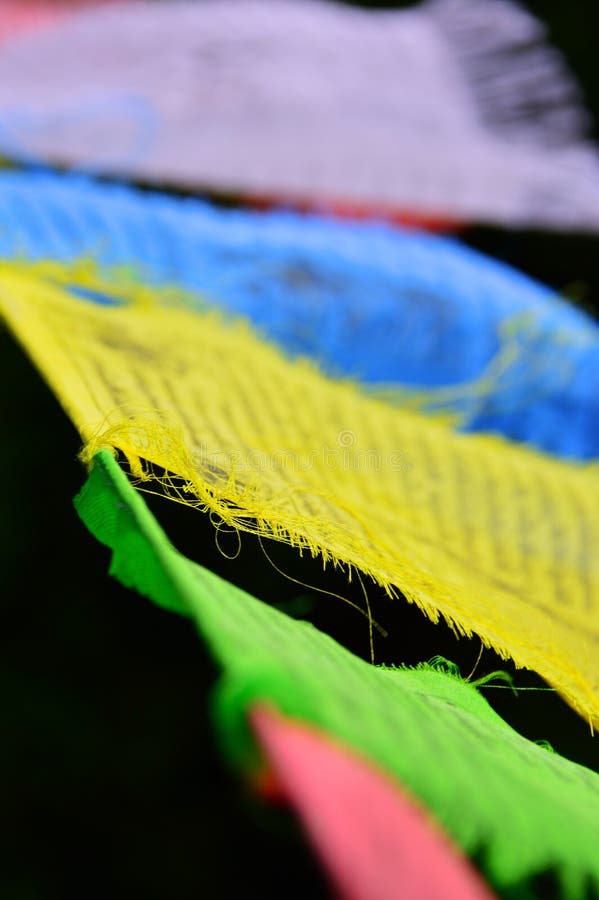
<point x="496" y="538"/>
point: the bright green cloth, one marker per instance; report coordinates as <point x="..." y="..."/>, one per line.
<point x="518" y="806"/>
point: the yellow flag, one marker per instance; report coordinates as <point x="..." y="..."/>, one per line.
<point x="498" y="539"/>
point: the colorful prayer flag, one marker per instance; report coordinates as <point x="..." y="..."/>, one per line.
<point x="423" y="320"/>
<point x="453" y="109"/>
<point x="497" y="794"/>
<point x="495" y="538"/>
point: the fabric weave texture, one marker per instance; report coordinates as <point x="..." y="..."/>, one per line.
<point x="425" y="727"/>
<point x="431" y="109"/>
<point x="497" y="539"/>
<point x="423" y="320"/>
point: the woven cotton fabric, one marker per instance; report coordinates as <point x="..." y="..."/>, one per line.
<point x="455" y="108"/>
<point x="391" y="308"/>
<point x="521" y="808"/>
<point x="497" y="539"/>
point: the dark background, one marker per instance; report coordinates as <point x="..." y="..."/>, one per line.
<point x="111" y="784"/>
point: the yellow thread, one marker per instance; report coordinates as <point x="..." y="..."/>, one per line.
<point x="372" y="623"/>
<point x="218" y="529"/>
<point x="443" y="402"/>
<point x="369" y="612"/>
<point x="478" y="659"/>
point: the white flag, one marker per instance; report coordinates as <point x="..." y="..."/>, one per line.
<point x="455" y="108"/>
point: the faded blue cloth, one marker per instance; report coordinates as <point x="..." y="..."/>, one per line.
<point x="378" y="304"/>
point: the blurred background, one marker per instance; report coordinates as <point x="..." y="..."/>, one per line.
<point x="111" y="783"/>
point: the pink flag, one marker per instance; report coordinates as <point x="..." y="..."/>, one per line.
<point x="375" y="842"/>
